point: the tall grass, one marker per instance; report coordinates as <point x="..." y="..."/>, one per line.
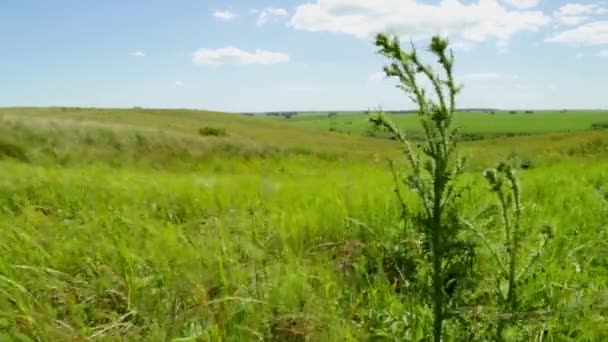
<point x="95" y="251"/>
<point x="121" y="233"/>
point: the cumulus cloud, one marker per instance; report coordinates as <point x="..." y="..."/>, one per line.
<point x="575" y="13"/>
<point x="462" y="46"/>
<point x="468" y="23"/>
<point x="503" y="46"/>
<point x="489" y="76"/>
<point x="377" y="76"/>
<point x="267" y="14"/>
<point x="603" y="53"/>
<point x="138" y="54"/>
<point x="235" y="56"/>
<point x="522" y="3"/>
<point x="225" y="15"/>
<point x="179" y="83"/>
<point x="571" y="20"/>
<point x="577" y="9"/>
<point x="302" y="89"/>
<point x="594" y="33"/>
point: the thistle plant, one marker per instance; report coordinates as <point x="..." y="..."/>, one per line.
<point x="434" y="165"/>
<point x="504" y="183"/>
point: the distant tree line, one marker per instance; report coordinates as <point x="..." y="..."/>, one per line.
<point x="286" y="115"/>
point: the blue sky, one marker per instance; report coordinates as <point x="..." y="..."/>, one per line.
<point x="251" y="55"/>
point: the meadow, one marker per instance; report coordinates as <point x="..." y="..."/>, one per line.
<point x="181" y="225"/>
<point x="475" y="124"/>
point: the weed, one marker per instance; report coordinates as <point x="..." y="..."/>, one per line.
<point x="510" y="273"/>
<point x="212" y="132"/>
<point x="433" y="178"/>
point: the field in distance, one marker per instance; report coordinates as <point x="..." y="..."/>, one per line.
<point x="473" y="124"/>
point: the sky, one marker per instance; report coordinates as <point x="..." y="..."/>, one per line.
<point x="274" y="55"/>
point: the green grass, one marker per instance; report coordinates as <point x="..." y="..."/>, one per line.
<point x="484" y="124"/>
<point x="171" y="139"/>
<point x="242" y="130"/>
<point x="112" y="230"/>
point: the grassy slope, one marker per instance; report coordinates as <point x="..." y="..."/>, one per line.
<point x="242" y="130"/>
<point x="101" y="239"/>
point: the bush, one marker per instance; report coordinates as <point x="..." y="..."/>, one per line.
<point x="212" y="132"/>
<point x="11" y="150"/>
<point x="599" y="125"/>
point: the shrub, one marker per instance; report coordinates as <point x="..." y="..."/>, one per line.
<point x="9" y="149"/>
<point x="599" y="125"/>
<point x="288" y="115"/>
<point x="212" y="132"/>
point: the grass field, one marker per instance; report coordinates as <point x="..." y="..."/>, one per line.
<point x="482" y="124"/>
<point x="129" y="225"/>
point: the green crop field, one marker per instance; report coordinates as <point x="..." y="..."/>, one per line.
<point x="482" y="123"/>
<point x="179" y="225"/>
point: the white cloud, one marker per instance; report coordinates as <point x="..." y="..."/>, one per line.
<point x="580" y="55"/>
<point x="236" y="56"/>
<point x="577" y="9"/>
<point x="462" y="46"/>
<point x="603" y="53"/>
<point x="464" y="22"/>
<point x="571" y="20"/>
<point x="377" y="76"/>
<point x="503" y="46"/>
<point x="302" y="89"/>
<point x="595" y="33"/>
<point x="525" y="87"/>
<point x="575" y="13"/>
<point x="138" y="54"/>
<point x="225" y="15"/>
<point x="489" y="76"/>
<point x="267" y="14"/>
<point x="522" y="3"/>
<point x="179" y="83"/>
